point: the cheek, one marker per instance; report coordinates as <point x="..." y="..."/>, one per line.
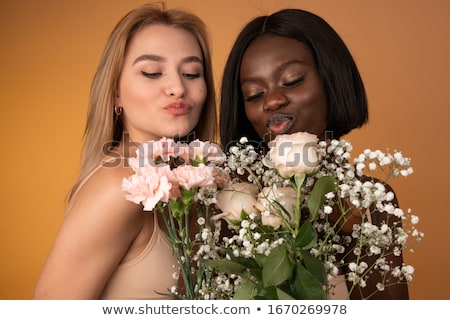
<point x="252" y="115"/>
<point x="321" y="108"/>
<point x="315" y="101"/>
<point x="134" y="93"/>
<point x="199" y="99"/>
<point x="198" y="95"/>
<point x="311" y="95"/>
<point x="257" y="120"/>
<point x="321" y="100"/>
<point x="202" y="94"/>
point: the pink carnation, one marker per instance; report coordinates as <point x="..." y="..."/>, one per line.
<point x="189" y="176"/>
<point x="149" y="152"/>
<point x="202" y="151"/>
<point x="149" y="185"/>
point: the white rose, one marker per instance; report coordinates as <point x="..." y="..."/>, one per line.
<point x="294" y="153"/>
<point x="271" y="220"/>
<point x="285" y="196"/>
<point x="235" y="199"/>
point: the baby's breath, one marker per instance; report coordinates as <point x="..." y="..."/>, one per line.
<point x="356" y="187"/>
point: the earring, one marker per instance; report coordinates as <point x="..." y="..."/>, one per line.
<point x="118" y="111"/>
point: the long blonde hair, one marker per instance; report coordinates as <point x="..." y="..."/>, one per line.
<point x="103" y="128"/>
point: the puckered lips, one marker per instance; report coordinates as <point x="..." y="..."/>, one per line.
<point x="280" y="123"/>
<point x="178" y="108"/>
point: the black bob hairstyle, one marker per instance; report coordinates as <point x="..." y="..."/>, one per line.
<point x="346" y="96"/>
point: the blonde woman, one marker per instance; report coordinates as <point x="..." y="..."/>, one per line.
<point x="154" y="80"/>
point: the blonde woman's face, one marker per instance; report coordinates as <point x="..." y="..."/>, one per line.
<point x="162" y="86"/>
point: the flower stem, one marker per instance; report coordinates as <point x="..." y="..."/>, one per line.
<point x="298" y="182"/>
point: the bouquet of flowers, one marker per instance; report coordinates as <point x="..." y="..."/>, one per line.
<point x="301" y="213"/>
<point x="177" y="180"/>
<point x="295" y="217"/>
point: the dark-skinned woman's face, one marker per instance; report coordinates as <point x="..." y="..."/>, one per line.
<point x="282" y="89"/>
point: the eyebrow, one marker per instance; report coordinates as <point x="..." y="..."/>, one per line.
<point x="153" y="57"/>
<point x="283" y="66"/>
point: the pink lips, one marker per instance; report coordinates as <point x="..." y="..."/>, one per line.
<point x="178" y="108"/>
<point x="280" y="123"/>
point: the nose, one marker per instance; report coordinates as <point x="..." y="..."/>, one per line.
<point x="175" y="86"/>
<point x="275" y="100"/>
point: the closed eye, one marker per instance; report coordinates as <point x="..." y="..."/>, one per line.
<point x="151" y="75"/>
<point x="293" y="82"/>
<point x="191" y="75"/>
<point x="254" y="97"/>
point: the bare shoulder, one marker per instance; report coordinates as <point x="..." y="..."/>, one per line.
<point x="102" y="191"/>
<point x="99" y="223"/>
<point x="379" y="218"/>
<point x="99" y="209"/>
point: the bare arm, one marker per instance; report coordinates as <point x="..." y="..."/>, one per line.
<point x="94" y="237"/>
<point x="392" y="290"/>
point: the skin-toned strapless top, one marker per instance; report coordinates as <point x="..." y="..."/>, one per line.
<point x="146" y="276"/>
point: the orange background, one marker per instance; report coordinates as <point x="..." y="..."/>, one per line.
<point x="49" y="52"/>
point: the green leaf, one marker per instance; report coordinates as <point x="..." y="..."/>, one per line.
<point x="315" y="266"/>
<point x="305" y="286"/>
<point x="306" y="237"/>
<point x="226" y="266"/>
<point x="317" y="197"/>
<point x="283" y="295"/>
<point x="246" y="262"/>
<point x="260" y="258"/>
<point x="269" y="293"/>
<point x="277" y="267"/>
<point x="247" y="290"/>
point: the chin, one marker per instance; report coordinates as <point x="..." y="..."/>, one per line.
<point x="181" y="133"/>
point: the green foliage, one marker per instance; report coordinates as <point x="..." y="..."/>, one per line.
<point x="278" y="276"/>
<point x="305" y="286"/>
<point x="306" y="237"/>
<point x="278" y="266"/>
<point x="316" y="199"/>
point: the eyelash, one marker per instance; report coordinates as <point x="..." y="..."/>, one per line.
<point x="156" y="75"/>
<point x="151" y="75"/>
<point x="293" y="82"/>
<point x="254" y="97"/>
<point x="191" y="75"/>
<point x="290" y="84"/>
